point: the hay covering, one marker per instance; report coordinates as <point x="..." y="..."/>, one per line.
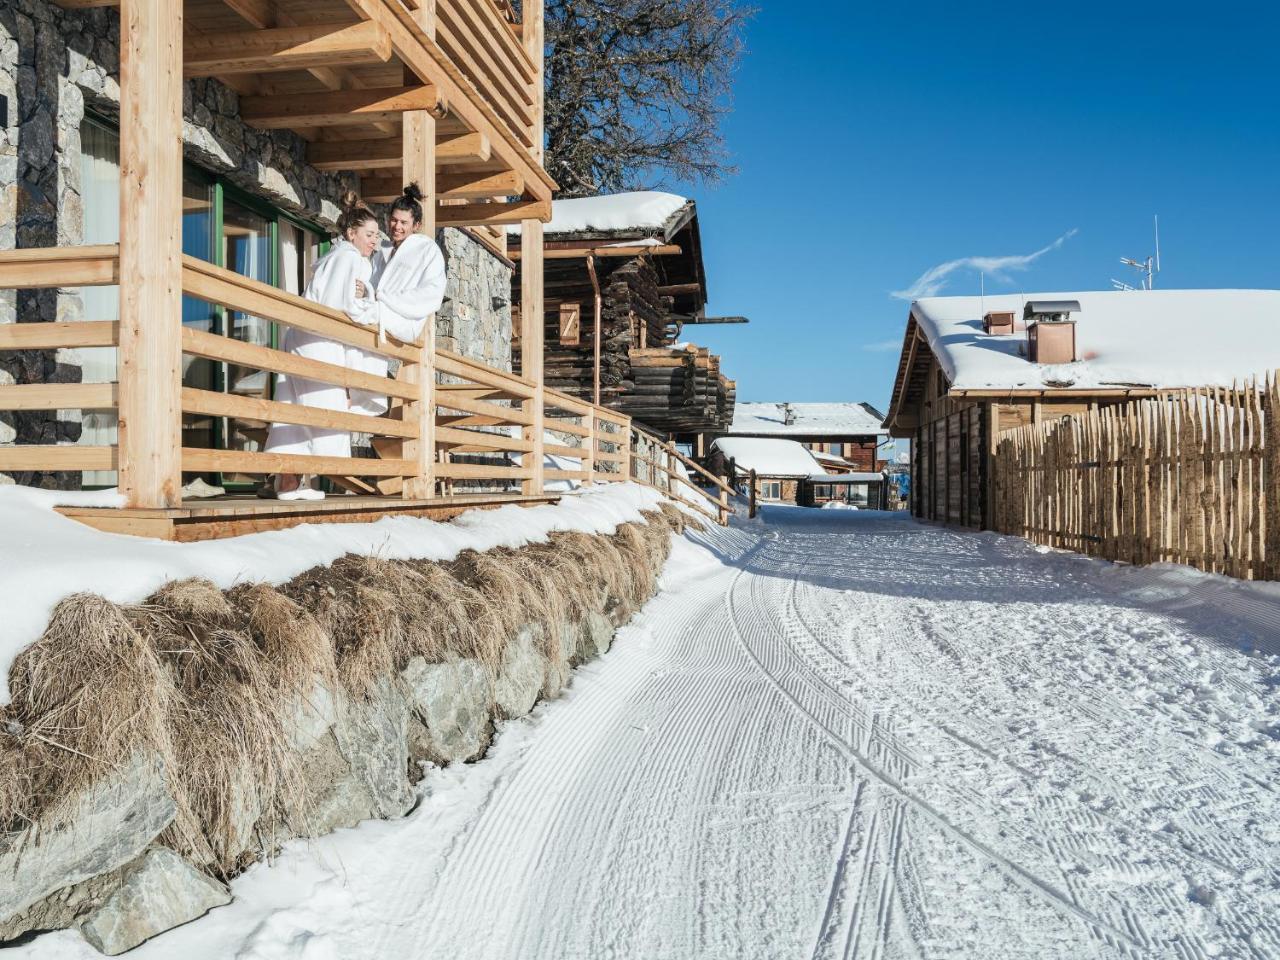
<point x="209" y="679"/>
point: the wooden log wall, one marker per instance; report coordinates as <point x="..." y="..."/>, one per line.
<point x="1191" y="478"/>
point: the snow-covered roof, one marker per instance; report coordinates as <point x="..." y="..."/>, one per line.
<point x="807" y="419"/>
<point x="767" y="457"/>
<point x="830" y="459"/>
<point x="636" y="212"/>
<point x="1143" y="338"/>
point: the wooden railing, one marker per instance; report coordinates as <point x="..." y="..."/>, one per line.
<point x="482" y="425"/>
<point x="1192" y="477"/>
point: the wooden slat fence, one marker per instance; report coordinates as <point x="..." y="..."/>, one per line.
<point x="1191" y="477"/>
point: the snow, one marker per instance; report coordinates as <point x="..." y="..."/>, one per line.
<point x="809" y="419"/>
<point x="834" y="734"/>
<point x="1155" y="338"/>
<point x="639" y="211"/>
<point x="768" y="458"/>
<point x="830" y="459"/>
<point x="45" y="556"/>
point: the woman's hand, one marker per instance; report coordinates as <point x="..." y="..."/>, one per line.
<point x="362" y="291"/>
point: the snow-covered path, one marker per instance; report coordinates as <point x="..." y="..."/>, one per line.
<point x="840" y="734"/>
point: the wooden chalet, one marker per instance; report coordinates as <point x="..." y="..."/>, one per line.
<point x="168" y="257"/>
<point x="780" y="467"/>
<point x="849" y="432"/>
<point x="972" y="368"/>
<point x="623" y="277"/>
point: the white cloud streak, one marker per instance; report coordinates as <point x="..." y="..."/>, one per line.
<point x="932" y="281"/>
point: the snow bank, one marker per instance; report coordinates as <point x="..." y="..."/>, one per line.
<point x="639" y="210"/>
<point x="46" y="556"/>
<point x="808" y="419"/>
<point x="1153" y="338"/>
<point x="768" y="458"/>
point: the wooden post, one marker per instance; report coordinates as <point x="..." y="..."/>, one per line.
<point x="589" y="446"/>
<point x="1271" y="477"/>
<point x="150" y="354"/>
<point x="724" y="503"/>
<point x="751" y="494"/>
<point x="532" y="310"/>
<point x="595" y="330"/>
<point x="419" y="160"/>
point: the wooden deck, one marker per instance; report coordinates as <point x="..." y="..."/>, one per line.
<point x="231" y="516"/>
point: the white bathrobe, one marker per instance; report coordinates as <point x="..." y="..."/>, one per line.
<point x="333" y="284"/>
<point x="409" y="286"/>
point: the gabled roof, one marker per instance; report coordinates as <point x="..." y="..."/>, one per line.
<point x="1138" y="340"/>
<point x="768" y="458"/>
<point x="807" y="419"/>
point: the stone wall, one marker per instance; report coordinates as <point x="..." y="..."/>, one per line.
<point x="54" y="65"/>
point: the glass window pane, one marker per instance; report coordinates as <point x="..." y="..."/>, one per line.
<point x="247" y="239"/>
<point x="198" y="229"/>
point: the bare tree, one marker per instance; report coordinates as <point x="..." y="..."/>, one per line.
<point x="636" y="90"/>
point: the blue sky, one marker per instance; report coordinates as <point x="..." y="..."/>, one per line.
<point x="877" y="143"/>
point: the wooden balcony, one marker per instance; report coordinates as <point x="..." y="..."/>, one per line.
<point x="444" y="92"/>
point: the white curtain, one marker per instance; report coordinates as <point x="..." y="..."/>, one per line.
<point x="100" y="200"/>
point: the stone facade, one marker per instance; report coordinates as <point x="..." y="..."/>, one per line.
<point x="54" y="65"/>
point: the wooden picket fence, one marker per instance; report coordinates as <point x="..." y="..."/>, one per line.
<point x="1190" y="477"/>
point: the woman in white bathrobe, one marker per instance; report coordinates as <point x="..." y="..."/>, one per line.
<point x="408" y="286"/>
<point x="341" y="280"/>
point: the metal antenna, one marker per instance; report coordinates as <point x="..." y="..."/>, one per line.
<point x="1156" y="219"/>
<point x="1147" y="268"/>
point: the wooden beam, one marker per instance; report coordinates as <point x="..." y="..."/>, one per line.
<point x="215" y="404"/>
<point x="42" y="267"/>
<point x="51" y="336"/>
<point x="387" y="153"/>
<point x="480" y="214"/>
<point x="578" y="253"/>
<point x="337" y="107"/>
<point x="150" y="354"/>
<point x="58" y="396"/>
<point x="244" y="461"/>
<point x="286" y="48"/>
<point x="459" y="186"/>
<point x="418" y="159"/>
<point x="33" y="456"/>
<point x="260" y="13"/>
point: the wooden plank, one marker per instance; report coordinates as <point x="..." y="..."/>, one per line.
<point x="453" y="437"/>
<point x="150" y="352"/>
<point x="570" y="323"/>
<point x="383" y="189"/>
<point x="270" y="411"/>
<point x="499" y="415"/>
<point x="460" y="366"/>
<point x="626" y="251"/>
<point x="229" y="289"/>
<point x="155" y="528"/>
<point x="211" y="346"/>
<point x="24" y="457"/>
<point x="388" y="153"/>
<point x="196" y="460"/>
<point x="39" y="268"/>
<point x="337" y="107"/>
<point x="285" y="48"/>
<point x="483" y="214"/>
<point x="480" y="471"/>
<point x="58" y="396"/>
<point x="53" y="336"/>
<point x="532" y="327"/>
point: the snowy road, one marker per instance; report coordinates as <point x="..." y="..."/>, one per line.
<point x="841" y="735"/>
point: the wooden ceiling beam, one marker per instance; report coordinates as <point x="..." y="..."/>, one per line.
<point x="286" y="48"/>
<point x="483" y="214"/>
<point x="385" y="154"/>
<point x="258" y="13"/>
<point x="337" y="107"/>
<point x="380" y="189"/>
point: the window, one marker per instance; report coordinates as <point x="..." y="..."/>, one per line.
<point x="219" y="225"/>
<point x="770" y="490"/>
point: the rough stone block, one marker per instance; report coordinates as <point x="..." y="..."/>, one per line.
<point x="158" y="892"/>
<point x="106" y="827"/>
<point x="453" y="700"/>
<point x="595" y="636"/>
<point x="373" y="735"/>
<point x="522" y="674"/>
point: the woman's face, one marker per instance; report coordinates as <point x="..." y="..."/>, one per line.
<point x="399" y="225"/>
<point x="364" y="237"/>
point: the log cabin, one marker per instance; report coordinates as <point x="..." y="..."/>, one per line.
<point x="623" y="276"/>
<point x="781" y="466"/>
<point x="974" y="367"/>
<point x="170" y="170"/>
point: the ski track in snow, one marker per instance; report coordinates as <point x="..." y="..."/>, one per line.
<point x="839" y="735"/>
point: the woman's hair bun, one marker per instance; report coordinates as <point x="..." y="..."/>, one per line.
<point x="413" y="192"/>
<point x="350" y="200"/>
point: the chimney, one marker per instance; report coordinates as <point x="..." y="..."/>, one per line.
<point x="1051" y="333"/>
<point x="788" y="414"/>
<point x="998" y="323"/>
